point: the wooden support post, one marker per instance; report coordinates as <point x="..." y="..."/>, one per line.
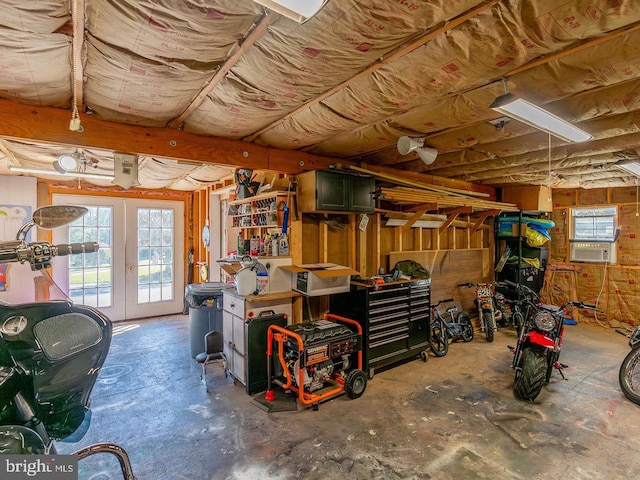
<point x="451" y="238"/>
<point x="362" y="249"/>
<point x="417" y="238"/>
<point x="397" y="238"/>
<point x="353" y="241"/>
<point x="324" y="242"/>
<point x="435" y="239"/>
<point x="377" y="251"/>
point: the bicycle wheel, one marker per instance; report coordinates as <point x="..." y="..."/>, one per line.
<point x="629" y="376"/>
<point x="466" y="327"/>
<point x="438" y="341"/>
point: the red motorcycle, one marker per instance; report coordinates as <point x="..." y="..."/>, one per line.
<point x="538" y="350"/>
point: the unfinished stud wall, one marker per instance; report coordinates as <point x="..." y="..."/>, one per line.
<point x="613" y="287"/>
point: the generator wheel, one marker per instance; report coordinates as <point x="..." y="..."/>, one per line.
<point x="355" y="383"/>
<point x="424" y="356"/>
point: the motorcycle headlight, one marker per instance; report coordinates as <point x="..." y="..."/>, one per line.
<point x="544" y="321"/>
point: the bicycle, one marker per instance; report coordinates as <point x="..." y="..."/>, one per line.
<point x="441" y="330"/>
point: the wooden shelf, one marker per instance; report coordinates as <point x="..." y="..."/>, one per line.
<point x="260" y="211"/>
<point x="262" y="196"/>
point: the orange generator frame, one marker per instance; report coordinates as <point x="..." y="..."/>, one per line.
<point x="354" y="384"/>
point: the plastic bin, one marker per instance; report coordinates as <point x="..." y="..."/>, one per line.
<point x="205" y="312"/>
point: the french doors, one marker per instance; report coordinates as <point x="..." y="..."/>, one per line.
<point x="138" y="271"/>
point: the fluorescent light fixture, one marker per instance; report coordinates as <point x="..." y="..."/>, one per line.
<point x="298" y="10"/>
<point x="629" y="167"/>
<point x="41" y="171"/>
<point x="534" y="116"/>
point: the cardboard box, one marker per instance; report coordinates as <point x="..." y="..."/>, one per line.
<point x="320" y="278"/>
<point x="535" y="197"/>
<point x="519" y="230"/>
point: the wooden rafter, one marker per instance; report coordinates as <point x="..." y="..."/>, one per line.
<point x="78" y="21"/>
<point x="528" y="66"/>
<point x="447" y="26"/>
<point x="266" y="21"/>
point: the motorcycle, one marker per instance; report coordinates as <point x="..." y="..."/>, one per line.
<point x="537" y="352"/>
<point x="488" y="312"/>
<point x="629" y="375"/>
<point x="50" y="355"/>
<point x="502" y="313"/>
<point x="522" y="306"/>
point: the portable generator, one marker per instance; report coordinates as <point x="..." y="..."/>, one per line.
<point x="319" y="360"/>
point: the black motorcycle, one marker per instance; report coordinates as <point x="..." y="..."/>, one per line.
<point x="50" y="355"/>
<point x="490" y="313"/>
<point x="629" y="376"/>
<point x="538" y="350"/>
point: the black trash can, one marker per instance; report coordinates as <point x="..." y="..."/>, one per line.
<point x="205" y="312"/>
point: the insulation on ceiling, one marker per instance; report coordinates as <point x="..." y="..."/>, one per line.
<point x="333" y="85"/>
<point x="291" y="64"/>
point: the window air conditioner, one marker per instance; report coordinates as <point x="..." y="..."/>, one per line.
<point x="593" y="252"/>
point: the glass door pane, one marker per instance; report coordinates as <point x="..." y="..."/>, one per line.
<point x="155" y="255"/>
<point x="91" y="275"/>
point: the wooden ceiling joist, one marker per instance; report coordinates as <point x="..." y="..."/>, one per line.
<point x="255" y="34"/>
<point x="429" y="36"/>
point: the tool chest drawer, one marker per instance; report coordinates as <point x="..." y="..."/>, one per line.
<point x="394" y="318"/>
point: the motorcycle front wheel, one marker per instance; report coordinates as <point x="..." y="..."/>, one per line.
<point x="530" y="374"/>
<point x="552" y="358"/>
<point x="518" y="322"/>
<point x="488" y="325"/>
<point x="438" y="342"/>
<point x="466" y="327"/>
<point x="629" y="376"/>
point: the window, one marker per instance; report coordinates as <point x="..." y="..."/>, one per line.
<point x="594" y="223"/>
<point x="155" y="255"/>
<point x="91" y="275"/>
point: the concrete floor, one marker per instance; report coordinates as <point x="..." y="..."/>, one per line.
<point x="453" y="417"/>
